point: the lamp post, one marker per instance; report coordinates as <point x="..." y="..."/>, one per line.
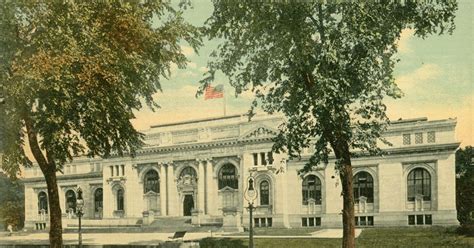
<point x="250" y="195"/>
<point x="79" y="212"/>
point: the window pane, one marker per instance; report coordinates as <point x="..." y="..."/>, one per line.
<point x="256" y="222"/>
<point x="255" y="159"/>
<point x="262" y="156"/>
<point x="411" y="220"/>
<point x="363" y="221"/>
<point x="356" y="221"/>
<point x="269" y="222"/>
<point x="311" y="221"/>
<point x="370" y="220"/>
<point x="419" y="219"/>
<point x="428" y="220"/>
<point x="318" y="221"/>
<point x="304" y="221"/>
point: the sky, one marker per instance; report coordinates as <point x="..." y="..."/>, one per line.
<point x="435" y="74"/>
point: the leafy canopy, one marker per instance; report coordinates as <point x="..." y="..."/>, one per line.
<point x="326" y="67"/>
<point x="78" y="69"/>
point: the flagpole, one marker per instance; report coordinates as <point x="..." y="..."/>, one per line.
<point x="224" y="98"/>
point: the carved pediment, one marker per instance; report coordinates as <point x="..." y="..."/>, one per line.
<point x="228" y="189"/>
<point x="259" y="132"/>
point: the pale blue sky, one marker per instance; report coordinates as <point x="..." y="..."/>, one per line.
<point x="435" y="75"/>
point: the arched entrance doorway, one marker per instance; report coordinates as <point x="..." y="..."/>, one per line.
<point x="188" y="205"/>
<point x="187" y="189"/>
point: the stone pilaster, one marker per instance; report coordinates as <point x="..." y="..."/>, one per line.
<point x="201" y="185"/>
<point x="172" y="192"/>
<point x="163" y="190"/>
<point x="211" y="194"/>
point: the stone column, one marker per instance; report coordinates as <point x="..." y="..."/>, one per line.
<point x="172" y="192"/>
<point x="210" y="196"/>
<point x="201" y="183"/>
<point x="163" y="190"/>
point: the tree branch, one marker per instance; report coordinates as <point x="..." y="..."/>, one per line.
<point x="34" y="144"/>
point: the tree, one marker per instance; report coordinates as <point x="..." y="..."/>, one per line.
<point x="464" y="187"/>
<point x="326" y="66"/>
<point x="11" y="202"/>
<point x="72" y="74"/>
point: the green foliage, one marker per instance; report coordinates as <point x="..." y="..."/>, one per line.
<point x="326" y="67"/>
<point x="465" y="186"/>
<point x="11" y="202"/>
<point x="78" y="69"/>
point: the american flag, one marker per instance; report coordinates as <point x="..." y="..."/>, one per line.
<point x="214" y="92"/>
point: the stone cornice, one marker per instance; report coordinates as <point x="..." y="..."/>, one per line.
<point x="90" y="175"/>
<point x="424" y="149"/>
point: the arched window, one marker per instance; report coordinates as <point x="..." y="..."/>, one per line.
<point x="70" y="201"/>
<point x="228" y="177"/>
<point x="120" y="199"/>
<point x="311" y="189"/>
<point x="151" y="182"/>
<point x="188" y="171"/>
<point x="98" y="200"/>
<point x="419" y="182"/>
<point x="42" y="202"/>
<point x="363" y="185"/>
<point x="264" y="193"/>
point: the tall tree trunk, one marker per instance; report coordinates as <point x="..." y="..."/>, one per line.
<point x="49" y="171"/>
<point x="348" y="218"/>
<point x="55" y="222"/>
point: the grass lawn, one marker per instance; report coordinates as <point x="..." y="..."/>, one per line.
<point x="371" y="237"/>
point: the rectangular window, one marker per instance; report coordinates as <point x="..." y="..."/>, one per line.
<point x="406" y="139"/>
<point x="411" y="220"/>
<point x="255" y="159"/>
<point x="264" y="160"/>
<point x="419" y="219"/>
<point x="311" y="221"/>
<point x="428" y="220"/>
<point x="418" y="138"/>
<point x="356" y="221"/>
<point x="123" y="169"/>
<point x="270" y="157"/>
<point x="431" y="137"/>
<point x="263" y="222"/>
<point x="362" y="221"/>
<point x="111" y="171"/>
<point x="304" y="221"/>
<point x="318" y="221"/>
<point x="256" y="222"/>
<point x="370" y="220"/>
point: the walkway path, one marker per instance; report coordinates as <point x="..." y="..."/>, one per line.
<point x="144" y="238"/>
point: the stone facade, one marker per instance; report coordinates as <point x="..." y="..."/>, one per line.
<point x="200" y="169"/>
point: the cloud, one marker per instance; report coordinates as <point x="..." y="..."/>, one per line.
<point x="187" y="50"/>
<point x="403" y="41"/>
<point x="426" y="72"/>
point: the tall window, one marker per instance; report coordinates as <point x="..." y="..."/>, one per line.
<point x="228" y="177"/>
<point x="363" y="185"/>
<point x="42" y="202"/>
<point x="152" y="182"/>
<point x="419" y="182"/>
<point x="70" y="201"/>
<point x="120" y="199"/>
<point x="98" y="200"/>
<point x="311" y="189"/>
<point x="264" y="193"/>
